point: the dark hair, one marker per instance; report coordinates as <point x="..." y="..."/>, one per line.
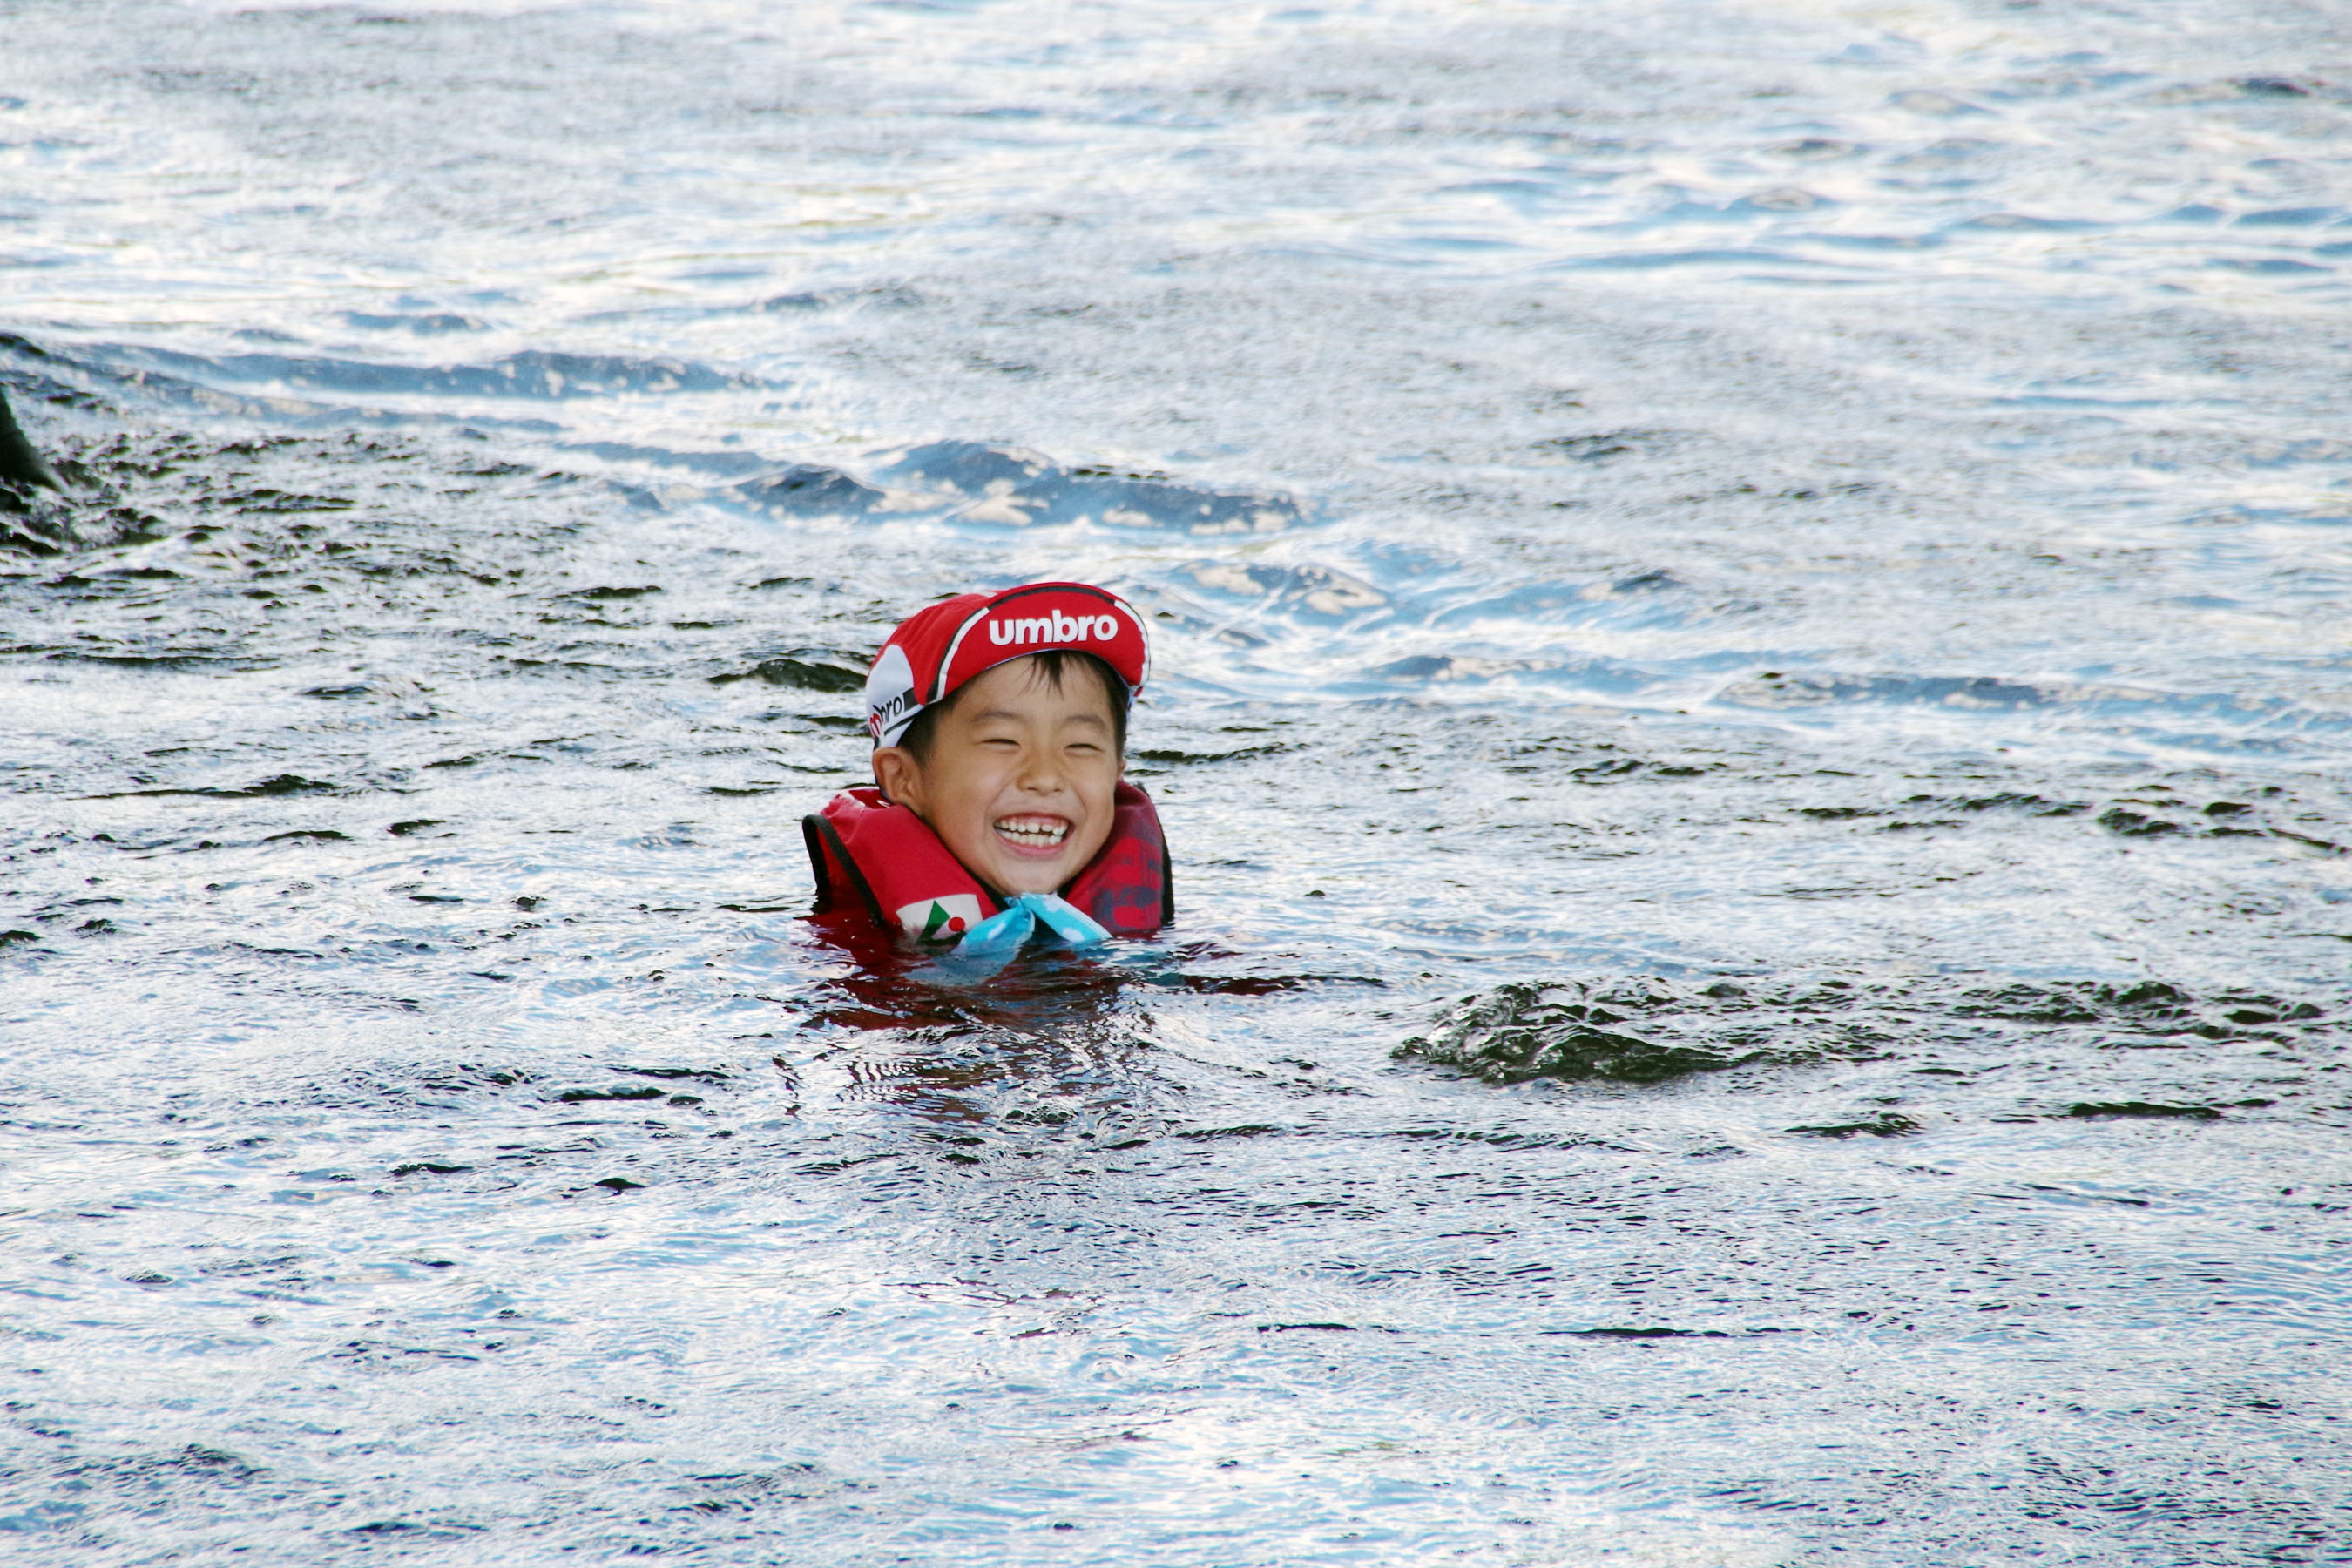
<point x="1053" y="666"/>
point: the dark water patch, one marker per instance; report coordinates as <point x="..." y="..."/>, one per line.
<point x="270" y="501"/>
<point x="2152" y="1007"/>
<point x="200" y="662"/>
<point x="2005" y="800"/>
<point x="410" y="1529"/>
<point x="1529" y="1030"/>
<point x="2143" y="1110"/>
<point x="1169" y="758"/>
<point x="422" y="325"/>
<point x="1886" y="1124"/>
<point x="892" y="296"/>
<point x="276" y="785"/>
<point x="1316" y="591"/>
<point x="2222" y="720"/>
<point x="1552" y="757"/>
<point x="1490" y="1138"/>
<point x="193" y="1461"/>
<point x="2128" y="824"/>
<point x="463" y="1078"/>
<point x="2154" y="812"/>
<point x="1653" y="1333"/>
<point x="806" y="670"/>
<point x="382" y="1356"/>
<point x="1781" y="691"/>
<point x="1601" y="447"/>
<point x="808" y="490"/>
<point x="1247" y="1130"/>
<point x="1019" y="488"/>
<point x="620" y="1092"/>
<point x="2159" y="811"/>
<point x="2046" y="1192"/>
<point x="1247" y="984"/>
<point x="30" y="528"/>
<point x="2148" y="1006"/>
<point x="533" y="372"/>
<point x="1587" y="1030"/>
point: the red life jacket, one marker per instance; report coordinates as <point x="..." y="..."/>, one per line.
<point x="872" y="853"/>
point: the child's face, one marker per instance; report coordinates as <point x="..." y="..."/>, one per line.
<point x="1019" y="778"/>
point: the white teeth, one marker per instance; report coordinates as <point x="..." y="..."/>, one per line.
<point x="1042" y="835"/>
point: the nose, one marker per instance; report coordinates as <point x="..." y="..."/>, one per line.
<point x="1041" y="771"/>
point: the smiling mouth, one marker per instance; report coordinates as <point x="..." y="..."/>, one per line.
<point x="1033" y="833"/>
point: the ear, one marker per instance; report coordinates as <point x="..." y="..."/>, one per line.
<point x="899" y="776"/>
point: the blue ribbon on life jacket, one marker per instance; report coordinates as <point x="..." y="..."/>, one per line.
<point x="992" y="943"/>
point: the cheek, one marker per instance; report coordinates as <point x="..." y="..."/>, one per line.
<point x="971" y="786"/>
<point x="1100" y="794"/>
<point x="982" y="789"/>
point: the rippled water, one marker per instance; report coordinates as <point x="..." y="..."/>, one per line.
<point x="1753" y="694"/>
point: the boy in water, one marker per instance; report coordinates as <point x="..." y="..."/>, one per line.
<point x="1000" y="801"/>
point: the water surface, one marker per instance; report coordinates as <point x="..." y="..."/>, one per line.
<point x="1752" y="697"/>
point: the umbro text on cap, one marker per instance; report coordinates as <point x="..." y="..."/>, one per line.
<point x="939" y="649"/>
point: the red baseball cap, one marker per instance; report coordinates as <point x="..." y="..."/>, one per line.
<point x="937" y="649"/>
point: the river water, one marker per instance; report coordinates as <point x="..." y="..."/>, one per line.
<point x="1753" y="677"/>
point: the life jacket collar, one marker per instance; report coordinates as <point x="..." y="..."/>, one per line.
<point x="872" y="854"/>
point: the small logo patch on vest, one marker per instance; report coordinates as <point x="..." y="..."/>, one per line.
<point x="941" y="919"/>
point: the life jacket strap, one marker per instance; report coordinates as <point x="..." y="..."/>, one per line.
<point x="833" y="866"/>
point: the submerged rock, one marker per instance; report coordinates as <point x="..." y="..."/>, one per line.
<point x="1528" y="1030"/>
<point x="1644" y="1030"/>
<point x="20" y="465"/>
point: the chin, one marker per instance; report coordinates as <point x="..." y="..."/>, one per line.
<point x="1033" y="879"/>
